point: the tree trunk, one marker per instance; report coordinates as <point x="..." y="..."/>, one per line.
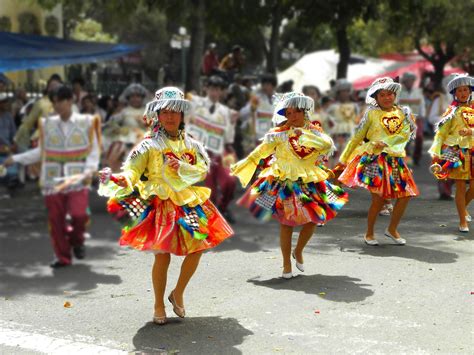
<point x="344" y="50"/>
<point x="438" y="72"/>
<point x="272" y="55"/>
<point x="198" y="32"/>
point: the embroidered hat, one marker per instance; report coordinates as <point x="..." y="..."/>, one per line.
<point x="170" y="98"/>
<point x="460" y="80"/>
<point x="384" y="83"/>
<point x="290" y="99"/>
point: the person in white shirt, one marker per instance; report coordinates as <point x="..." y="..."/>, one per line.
<point x="256" y="115"/>
<point x="69" y="152"/>
<point x="213" y="124"/>
<point x="127" y="128"/>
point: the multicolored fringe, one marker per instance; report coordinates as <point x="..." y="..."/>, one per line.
<point x="370" y="170"/>
<point x="448" y="165"/>
<point x="131" y="210"/>
<point x="294" y="202"/>
<point x="194" y="222"/>
<point x="180" y="230"/>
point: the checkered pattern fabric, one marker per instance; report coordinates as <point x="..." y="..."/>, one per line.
<point x="192" y="219"/>
<point x="450" y="154"/>
<point x="396" y="174"/>
<point x="135" y="206"/>
<point x="371" y="170"/>
<point x="332" y="197"/>
<point x="266" y="201"/>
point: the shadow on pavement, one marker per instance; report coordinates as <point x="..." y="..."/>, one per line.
<point x="408" y="252"/>
<point x="74" y="278"/>
<point x="26" y="251"/>
<point x="337" y="288"/>
<point x="198" y="335"/>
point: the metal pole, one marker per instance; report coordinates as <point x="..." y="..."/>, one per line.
<point x="183" y="63"/>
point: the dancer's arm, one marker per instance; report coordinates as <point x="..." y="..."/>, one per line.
<point x="358" y="137"/>
<point x="245" y="168"/>
<point x="318" y="140"/>
<point x="180" y="174"/>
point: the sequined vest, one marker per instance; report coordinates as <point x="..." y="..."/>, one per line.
<point x="64" y="155"/>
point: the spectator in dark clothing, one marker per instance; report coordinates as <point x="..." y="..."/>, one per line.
<point x="210" y="61"/>
<point x="8" y="176"/>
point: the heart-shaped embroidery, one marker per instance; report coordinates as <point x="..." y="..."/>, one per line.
<point x="468" y="116"/>
<point x="186" y="156"/>
<point x="299" y="150"/>
<point x="393" y="124"/>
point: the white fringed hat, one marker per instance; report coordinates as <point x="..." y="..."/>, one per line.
<point x="290" y="99"/>
<point x="460" y="80"/>
<point x="132" y="89"/>
<point x="170" y="98"/>
<point x="384" y="83"/>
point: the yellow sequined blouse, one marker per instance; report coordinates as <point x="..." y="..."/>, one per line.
<point x="293" y="157"/>
<point x="454" y="119"/>
<point x="147" y="171"/>
<point x="395" y="128"/>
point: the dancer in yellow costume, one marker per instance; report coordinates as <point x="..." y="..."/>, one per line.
<point x="292" y="188"/>
<point x="452" y="149"/>
<point x="374" y="157"/>
<point x="168" y="214"/>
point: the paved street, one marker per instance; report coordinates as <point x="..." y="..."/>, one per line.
<point x="415" y="299"/>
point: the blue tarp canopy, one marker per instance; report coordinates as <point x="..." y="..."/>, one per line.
<point x="20" y="51"/>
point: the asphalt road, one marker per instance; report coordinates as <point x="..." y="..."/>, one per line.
<point x="413" y="299"/>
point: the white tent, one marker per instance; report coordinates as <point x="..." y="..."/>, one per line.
<point x="318" y="68"/>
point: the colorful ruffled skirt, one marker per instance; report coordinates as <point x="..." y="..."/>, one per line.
<point x="293" y="203"/>
<point x="160" y="226"/>
<point x="382" y="174"/>
<point x="456" y="163"/>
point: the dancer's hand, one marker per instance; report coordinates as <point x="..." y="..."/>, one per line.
<point x="379" y="144"/>
<point x="464" y="132"/>
<point x="298" y="132"/>
<point x="173" y="164"/>
<point x="120" y="180"/>
<point x="9" y="161"/>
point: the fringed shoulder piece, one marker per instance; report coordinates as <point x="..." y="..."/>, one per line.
<point x="141" y="148"/>
<point x="275" y="135"/>
<point x="191" y="143"/>
<point x="447" y="116"/>
<point x="333" y="149"/>
<point x="365" y="118"/>
<point x="409" y="118"/>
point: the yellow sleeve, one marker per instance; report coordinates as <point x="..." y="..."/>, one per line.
<point x="186" y="175"/>
<point x="132" y="169"/>
<point x="136" y="163"/>
<point x="245" y="168"/>
<point x="440" y="137"/>
<point x="314" y="139"/>
<point x="358" y="137"/>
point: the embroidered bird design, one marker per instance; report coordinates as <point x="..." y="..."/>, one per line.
<point x="300" y="150"/>
<point x="468" y="116"/>
<point x="393" y="124"/>
<point x="187" y="157"/>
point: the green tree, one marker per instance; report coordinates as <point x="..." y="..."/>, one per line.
<point x="91" y="30"/>
<point x="340" y="15"/>
<point x="439" y="30"/>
